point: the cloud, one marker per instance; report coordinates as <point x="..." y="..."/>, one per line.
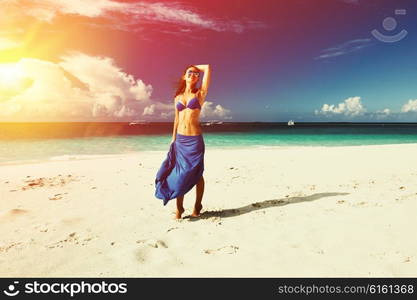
<point x="410" y="106"/>
<point x="166" y="115"/>
<point x="349" y="107"/>
<point x="345" y="48"/>
<point x="125" y="15"/>
<point x="149" y="110"/>
<point x="381" y="114"/>
<point x="210" y="111"/>
<point x="385" y="111"/>
<point x="159" y="110"/>
<point x="79" y="87"/>
<point x="47" y="10"/>
<point x="8" y="44"/>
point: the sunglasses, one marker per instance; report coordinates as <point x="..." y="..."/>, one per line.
<point x="195" y="73"/>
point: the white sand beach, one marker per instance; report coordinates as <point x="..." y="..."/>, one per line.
<point x="273" y="212"/>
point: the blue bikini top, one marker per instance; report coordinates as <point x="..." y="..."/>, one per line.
<point x="192" y="104"/>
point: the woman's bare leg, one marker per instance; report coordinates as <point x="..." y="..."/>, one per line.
<point x="199" y="197"/>
<point x="180" y="207"/>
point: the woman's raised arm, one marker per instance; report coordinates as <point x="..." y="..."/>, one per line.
<point x="206" y="79"/>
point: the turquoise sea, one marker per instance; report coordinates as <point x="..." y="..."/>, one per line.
<point x="47" y="141"/>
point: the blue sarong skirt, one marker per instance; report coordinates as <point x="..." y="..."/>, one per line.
<point x="182" y="168"/>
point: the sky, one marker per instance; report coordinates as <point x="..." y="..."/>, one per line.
<point x="271" y="60"/>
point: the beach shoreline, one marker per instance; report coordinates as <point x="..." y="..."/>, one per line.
<point x="282" y="212"/>
<point x="78" y="157"/>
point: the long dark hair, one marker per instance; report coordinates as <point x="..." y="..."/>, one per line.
<point x="179" y="86"/>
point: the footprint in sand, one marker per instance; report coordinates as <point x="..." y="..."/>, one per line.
<point x="172" y="228"/>
<point x="48" y="181"/>
<point x="146" y="246"/>
<point x="56" y="197"/>
<point x="12" y="214"/>
<point x="223" y="250"/>
<point x="17" y="211"/>
<point x="72" y="238"/>
<point x="8" y="247"/>
<point x="153" y="243"/>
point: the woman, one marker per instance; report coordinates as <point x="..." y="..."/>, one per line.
<point x="183" y="168"/>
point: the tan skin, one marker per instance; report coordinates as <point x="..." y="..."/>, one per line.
<point x="187" y="122"/>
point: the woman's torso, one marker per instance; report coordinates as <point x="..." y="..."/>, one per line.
<point x="188" y="119"/>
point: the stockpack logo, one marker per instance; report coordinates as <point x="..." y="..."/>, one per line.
<point x="12" y="289"/>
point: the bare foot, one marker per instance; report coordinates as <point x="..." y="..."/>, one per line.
<point x="178" y="213"/>
<point x="196" y="211"/>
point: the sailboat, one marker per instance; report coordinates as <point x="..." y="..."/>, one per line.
<point x="212" y="122"/>
<point x="291" y="123"/>
<point x="139" y="122"/>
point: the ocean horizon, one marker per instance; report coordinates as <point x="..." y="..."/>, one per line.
<point x="20" y="142"/>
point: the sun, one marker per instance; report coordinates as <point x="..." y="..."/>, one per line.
<point x="11" y="75"/>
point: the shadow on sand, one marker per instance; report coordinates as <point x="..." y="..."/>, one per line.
<point x="234" y="212"/>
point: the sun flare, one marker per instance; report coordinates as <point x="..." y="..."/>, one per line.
<point x="10" y="74"/>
